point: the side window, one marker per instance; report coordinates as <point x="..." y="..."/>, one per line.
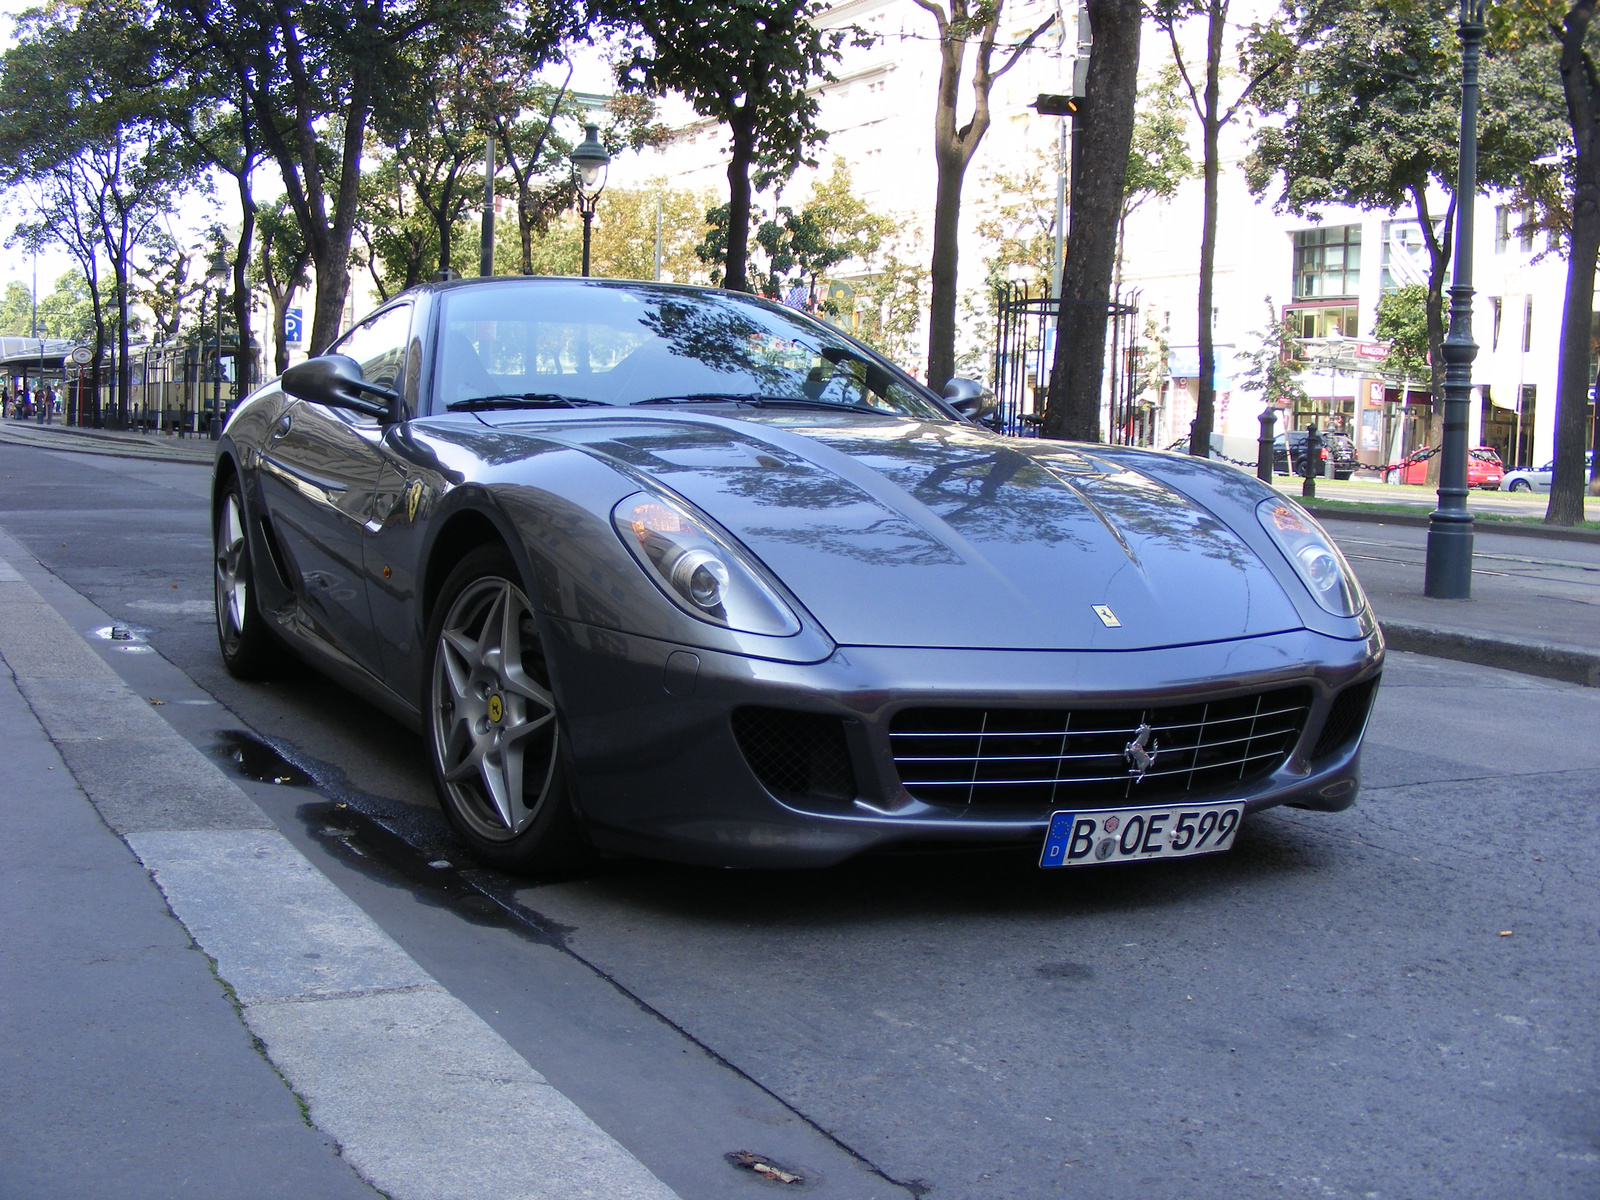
<point x="379" y="345"/>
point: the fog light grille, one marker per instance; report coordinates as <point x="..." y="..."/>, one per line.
<point x="796" y="755"/>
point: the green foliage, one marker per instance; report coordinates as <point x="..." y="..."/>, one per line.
<point x="16" y="310"/>
<point x="748" y="65"/>
<point x="890" y="302"/>
<point x="623" y="245"/>
<point x="1158" y="160"/>
<point x="1274" y="370"/>
<point x="1402" y="321"/>
<point x="1020" y="222"/>
<point x="834" y="226"/>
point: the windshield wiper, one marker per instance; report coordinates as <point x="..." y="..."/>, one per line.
<point x="523" y="400"/>
<point x="759" y="401"/>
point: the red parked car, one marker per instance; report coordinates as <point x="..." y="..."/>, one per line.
<point x="1484" y="469"/>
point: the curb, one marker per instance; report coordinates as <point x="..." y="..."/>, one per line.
<point x="423" y="1098"/>
<point x="1558" y="533"/>
<point x="1570" y="664"/>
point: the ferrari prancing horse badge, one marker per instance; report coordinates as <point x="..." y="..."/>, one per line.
<point x="413" y="500"/>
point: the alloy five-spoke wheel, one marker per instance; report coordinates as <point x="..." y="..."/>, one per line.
<point x="493" y="724"/>
<point x="248" y="648"/>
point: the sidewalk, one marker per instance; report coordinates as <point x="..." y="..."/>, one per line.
<point x="158" y="447"/>
<point x="188" y="1008"/>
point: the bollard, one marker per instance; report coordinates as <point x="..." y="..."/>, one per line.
<point x="1268" y="418"/>
<point x="1313" y="463"/>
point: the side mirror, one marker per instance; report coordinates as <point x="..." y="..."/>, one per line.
<point x="336" y="380"/>
<point x="970" y="398"/>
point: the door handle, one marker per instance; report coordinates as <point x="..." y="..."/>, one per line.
<point x="282" y="427"/>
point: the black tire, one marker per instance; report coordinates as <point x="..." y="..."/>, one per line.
<point x="495" y="736"/>
<point x="249" y="650"/>
<point x="1520" y="485"/>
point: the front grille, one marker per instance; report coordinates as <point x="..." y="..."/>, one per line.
<point x="796" y="755"/>
<point x="1038" y="759"/>
<point x="1347" y="717"/>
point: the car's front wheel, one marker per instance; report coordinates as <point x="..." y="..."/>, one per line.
<point x="1520" y="485"/>
<point x="493" y="724"/>
<point x="248" y="648"/>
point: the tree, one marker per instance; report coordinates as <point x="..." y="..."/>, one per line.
<point x="1580" y="85"/>
<point x="77" y="126"/>
<point x="1111" y="90"/>
<point x="1269" y="49"/>
<point x="16" y="310"/>
<point x="168" y="280"/>
<point x="959" y="22"/>
<point x="799" y="246"/>
<point x="889" y="302"/>
<point x="624" y="242"/>
<point x="67" y="312"/>
<point x="280" y="267"/>
<point x="1371" y="104"/>
<point x="314" y="74"/>
<point x="1402" y="321"/>
<point x="749" y="65"/>
<point x="1274" y="365"/>
<point x="1158" y="161"/>
<point x="1020" y="221"/>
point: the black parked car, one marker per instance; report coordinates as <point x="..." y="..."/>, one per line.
<point x="1292" y="445"/>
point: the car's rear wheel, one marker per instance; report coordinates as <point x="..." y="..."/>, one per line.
<point x="249" y="650"/>
<point x="1520" y="485"/>
<point x="493" y="722"/>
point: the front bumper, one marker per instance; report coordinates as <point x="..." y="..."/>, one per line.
<point x="658" y="771"/>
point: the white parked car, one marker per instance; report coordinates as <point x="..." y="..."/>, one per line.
<point x="1526" y="479"/>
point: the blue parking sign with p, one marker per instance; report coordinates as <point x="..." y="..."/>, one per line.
<point x="291" y="326"/>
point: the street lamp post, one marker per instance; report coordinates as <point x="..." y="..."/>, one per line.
<point x="1448" y="574"/>
<point x="589" y="163"/>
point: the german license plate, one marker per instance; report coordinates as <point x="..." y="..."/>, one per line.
<point x="1086" y="839"/>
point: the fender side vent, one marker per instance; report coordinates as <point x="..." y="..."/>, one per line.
<point x="796" y="755"/>
<point x="275" y="554"/>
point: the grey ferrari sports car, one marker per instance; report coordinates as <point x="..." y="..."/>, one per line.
<point x="678" y="572"/>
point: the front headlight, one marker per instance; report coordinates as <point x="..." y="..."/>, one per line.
<point x="701" y="571"/>
<point x="1313" y="555"/>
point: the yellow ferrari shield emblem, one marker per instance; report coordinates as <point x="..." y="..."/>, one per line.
<point x="497" y="709"/>
<point x="413" y="499"/>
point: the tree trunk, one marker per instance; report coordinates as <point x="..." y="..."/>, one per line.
<point x="1210" y="128"/>
<point x="1439" y="250"/>
<point x="942" y="276"/>
<point x="244" y="359"/>
<point x="1073" y="407"/>
<point x="735" y="268"/>
<point x="1583" y="247"/>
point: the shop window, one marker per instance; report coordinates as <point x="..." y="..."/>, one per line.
<point x="1527" y="324"/>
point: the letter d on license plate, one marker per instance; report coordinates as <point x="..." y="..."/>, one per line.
<point x="1086" y="839"/>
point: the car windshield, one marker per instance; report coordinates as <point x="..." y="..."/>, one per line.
<point x="559" y="344"/>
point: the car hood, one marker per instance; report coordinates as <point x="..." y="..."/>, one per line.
<point x="895" y="532"/>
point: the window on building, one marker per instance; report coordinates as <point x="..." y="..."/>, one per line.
<point x="1502" y="228"/>
<point x="1327" y="262"/>
<point x="1325" y="319"/>
<point x="1496" y="304"/>
<point x="1527" y="324"/>
<point x="1526" y="229"/>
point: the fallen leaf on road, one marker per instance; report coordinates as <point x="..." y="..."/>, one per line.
<point x="762" y="1166"/>
<point x="153" y="700"/>
<point x="1505" y="933"/>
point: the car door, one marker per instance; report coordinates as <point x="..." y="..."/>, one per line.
<point x="321" y="468"/>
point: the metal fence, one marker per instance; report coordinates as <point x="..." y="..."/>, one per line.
<point x="1025" y="336"/>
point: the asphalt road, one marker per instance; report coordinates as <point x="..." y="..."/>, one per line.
<point x="1395" y="1001"/>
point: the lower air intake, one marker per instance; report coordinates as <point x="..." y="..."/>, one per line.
<point x="1032" y="759"/>
<point x="797" y="756"/>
